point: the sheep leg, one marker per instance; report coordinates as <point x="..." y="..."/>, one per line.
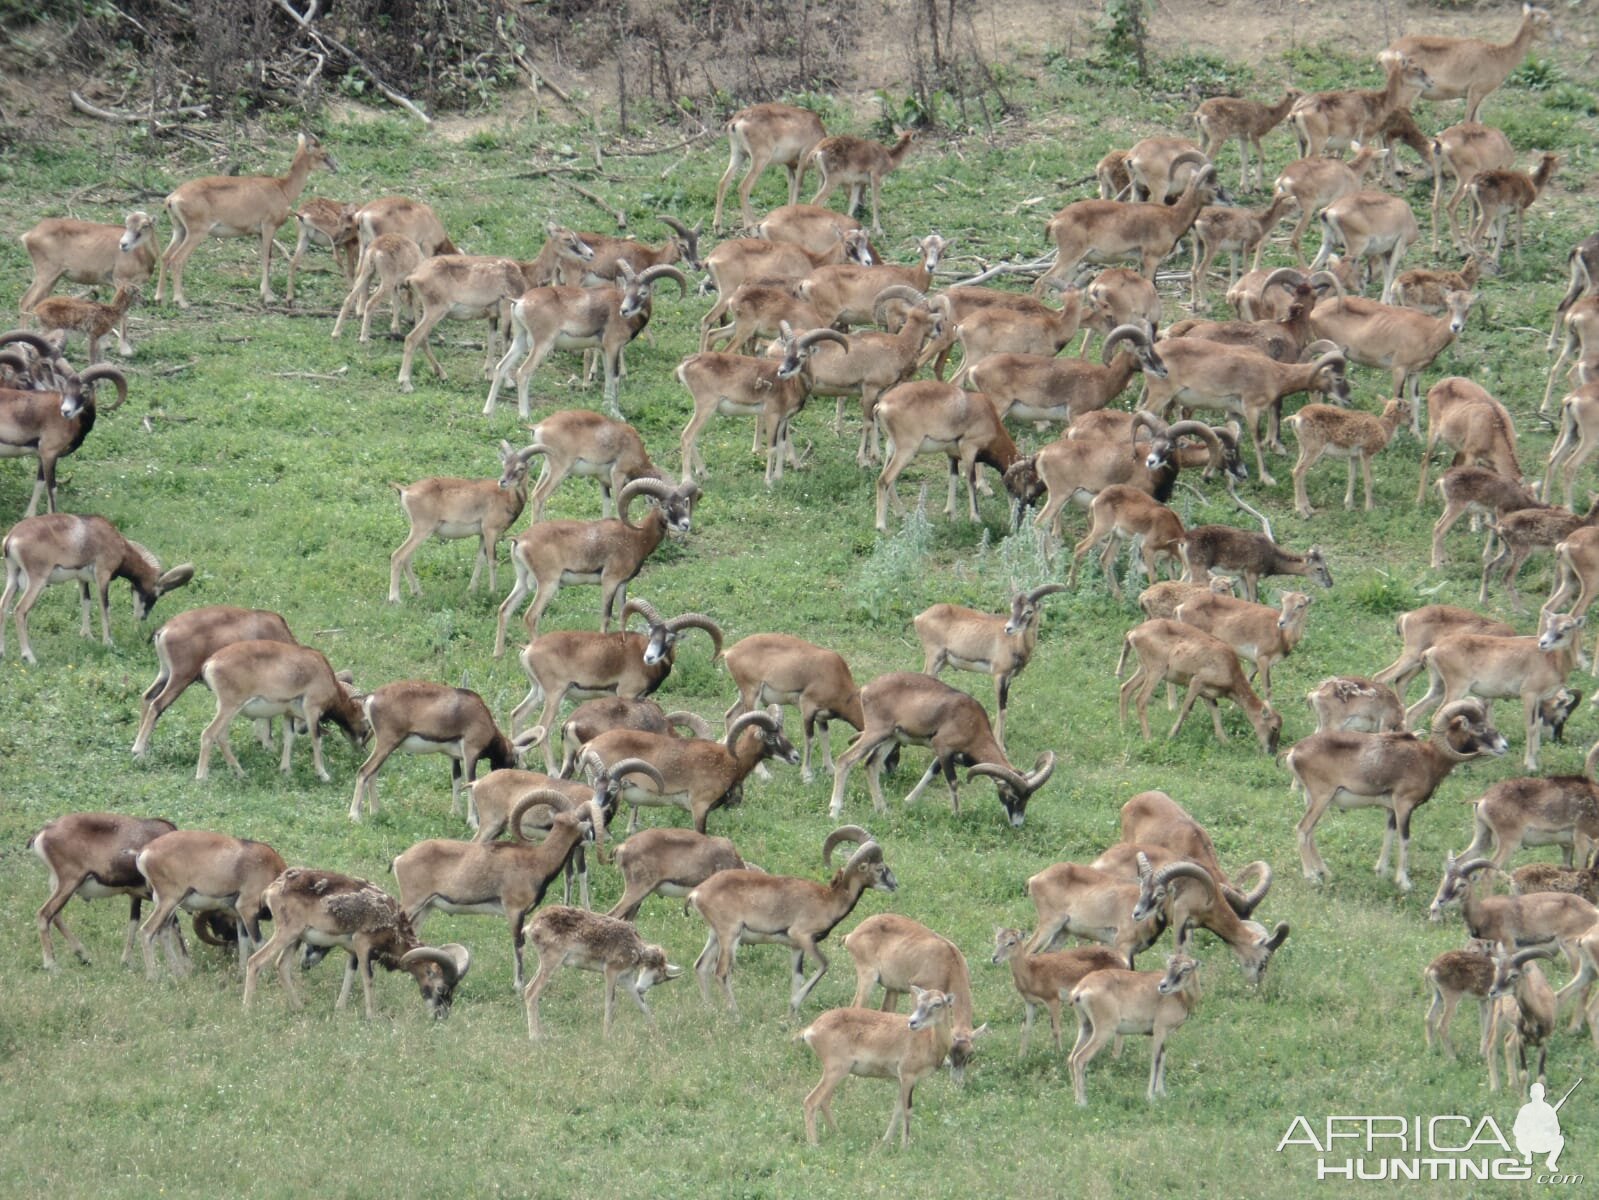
<point x="927" y="778"/>
<point x="50" y="914"/>
<point x="1315" y="869"/>
<point x="820" y="1099"/>
<point x="1090" y="1041"/>
<point x="1188" y="704"/>
<point x="801" y="987"/>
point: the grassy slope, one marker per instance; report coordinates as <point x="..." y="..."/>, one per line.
<point x="275" y="487"/>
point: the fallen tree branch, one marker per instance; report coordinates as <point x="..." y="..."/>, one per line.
<point x="336" y="377"/>
<point x="325" y="40"/>
<point x="120" y="118"/>
<point x="616" y="214"/>
<point x="1036" y="267"/>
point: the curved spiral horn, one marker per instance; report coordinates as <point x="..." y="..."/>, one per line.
<point x="640" y="487"/>
<point x="1249" y="901"/>
<point x="1117" y="335"/>
<point x="649" y="278"/>
<point x="895" y="291"/>
<point x="698" y="725"/>
<point x="1010" y="775"/>
<point x="1522" y="957"/>
<point x="453" y="959"/>
<point x="844" y="833"/>
<point x="93" y="374"/>
<point x="644" y="609"/>
<point x="538" y="798"/>
<point x="765" y="721"/>
<point x="636" y="766"/>
<point x="1187" y="870"/>
<point x="1144" y="419"/>
<point x="809" y="339"/>
<point x="1286" y="277"/>
<point x="696" y="620"/>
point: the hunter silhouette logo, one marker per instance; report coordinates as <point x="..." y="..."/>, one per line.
<point x="1537" y="1127"/>
<point x="1452" y="1147"/>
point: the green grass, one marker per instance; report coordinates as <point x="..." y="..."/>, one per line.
<point x="265" y="461"/>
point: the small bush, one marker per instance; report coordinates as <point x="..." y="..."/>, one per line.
<point x="1382" y="593"/>
<point x="888" y="583"/>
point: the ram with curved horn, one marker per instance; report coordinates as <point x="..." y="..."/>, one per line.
<point x="749" y="906"/>
<point x="1245" y="385"/>
<point x="1284" y="340"/>
<point x="871" y="362"/>
<point x="578" y="441"/>
<point x="1395" y="771"/>
<point x="698" y="775"/>
<point x="1158" y="168"/>
<point x="1036" y="387"/>
<point x="1161" y="877"/>
<point x="582" y="664"/>
<point x="490" y="802"/>
<point x="594" y="717"/>
<point x="846" y="293"/>
<point x="506" y="879"/>
<point x="1103" y="231"/>
<point x="737" y="385"/>
<point x="605" y="319"/>
<point x="609" y="552"/>
<point x="969" y="640"/>
<point x="50" y="424"/>
<point x="1076" y="469"/>
<point x="904" y="708"/>
<point x="321" y="909"/>
<point x="1155" y="819"/>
